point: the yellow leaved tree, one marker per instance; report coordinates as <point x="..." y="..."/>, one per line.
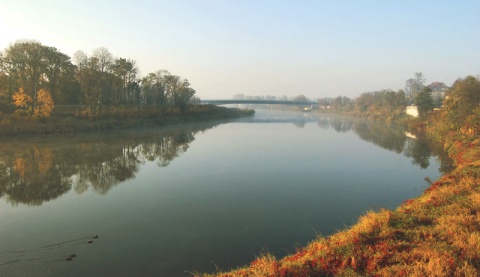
<point x="44" y="105"/>
<point x="22" y="100"/>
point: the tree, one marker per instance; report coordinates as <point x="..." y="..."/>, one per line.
<point x="32" y="66"/>
<point x="104" y="59"/>
<point x="153" y="91"/>
<point x="44" y="73"/>
<point x="400" y="99"/>
<point x="363" y="102"/>
<point x="424" y="101"/>
<point x="462" y="100"/>
<point x="341" y="103"/>
<point x="44" y="106"/>
<point x="22" y="100"/>
<point x="183" y="96"/>
<point x="413" y="86"/>
<point x="25" y="62"/>
<point x="59" y="71"/>
<point x="93" y="76"/>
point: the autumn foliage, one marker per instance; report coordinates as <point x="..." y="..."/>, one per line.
<point x="22" y="100"/>
<point x="42" y="107"/>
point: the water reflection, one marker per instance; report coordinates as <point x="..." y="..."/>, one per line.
<point x="394" y="138"/>
<point x="389" y="137"/>
<point x="34" y="172"/>
<point x="386" y="136"/>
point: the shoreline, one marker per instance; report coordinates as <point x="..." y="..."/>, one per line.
<point x="77" y="123"/>
<point x="434" y="234"/>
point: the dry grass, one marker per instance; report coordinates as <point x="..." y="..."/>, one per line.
<point x="435" y="234"/>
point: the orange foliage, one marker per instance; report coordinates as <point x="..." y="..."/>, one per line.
<point x="21" y="99"/>
<point x="44" y="105"/>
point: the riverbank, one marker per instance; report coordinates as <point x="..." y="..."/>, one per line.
<point x="435" y="234"/>
<point x="69" y="120"/>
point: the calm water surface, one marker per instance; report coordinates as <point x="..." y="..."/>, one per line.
<point x="165" y="202"/>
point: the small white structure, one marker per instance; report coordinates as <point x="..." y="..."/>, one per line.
<point x="410" y="135"/>
<point x="412" y="110"/>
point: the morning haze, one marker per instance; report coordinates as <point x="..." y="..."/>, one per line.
<point x="239" y="138"/>
<point x="223" y="48"/>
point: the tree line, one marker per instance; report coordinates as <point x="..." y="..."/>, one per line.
<point x="35" y="77"/>
<point x="390" y="105"/>
<point x="385" y="104"/>
<point x="449" y="113"/>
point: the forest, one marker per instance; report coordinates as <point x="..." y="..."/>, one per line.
<point x="43" y="90"/>
<point x="34" y="78"/>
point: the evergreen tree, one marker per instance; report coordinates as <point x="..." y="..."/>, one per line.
<point x="424" y="101"/>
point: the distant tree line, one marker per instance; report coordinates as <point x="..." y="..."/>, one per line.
<point x="34" y="78"/>
<point x="390" y="105"/>
<point x="452" y="112"/>
<point x="385" y="104"/>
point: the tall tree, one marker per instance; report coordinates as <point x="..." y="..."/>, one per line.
<point x="150" y="93"/>
<point x="25" y="63"/>
<point x="413" y="86"/>
<point x="102" y="61"/>
<point x="424" y="101"/>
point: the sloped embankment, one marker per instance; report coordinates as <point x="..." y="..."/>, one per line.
<point x="435" y="234"/>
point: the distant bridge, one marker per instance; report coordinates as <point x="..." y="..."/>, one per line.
<point x="254" y="101"/>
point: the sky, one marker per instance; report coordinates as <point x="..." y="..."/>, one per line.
<point x="264" y="47"/>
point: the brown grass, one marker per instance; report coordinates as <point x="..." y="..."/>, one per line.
<point x="435" y="234"/>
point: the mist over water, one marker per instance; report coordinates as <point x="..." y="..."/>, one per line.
<point x="192" y="198"/>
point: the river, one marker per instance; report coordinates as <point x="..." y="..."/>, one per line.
<point x="199" y="197"/>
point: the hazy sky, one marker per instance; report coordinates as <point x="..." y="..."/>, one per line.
<point x="264" y="47"/>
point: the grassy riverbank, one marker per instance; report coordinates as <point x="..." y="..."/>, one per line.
<point x="435" y="234"/>
<point x="73" y="119"/>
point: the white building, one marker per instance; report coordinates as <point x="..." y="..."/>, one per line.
<point x="412" y="110"/>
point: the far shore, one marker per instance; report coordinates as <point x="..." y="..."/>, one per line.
<point x="74" y="120"/>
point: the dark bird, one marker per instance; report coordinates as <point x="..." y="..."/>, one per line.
<point x="71" y="257"/>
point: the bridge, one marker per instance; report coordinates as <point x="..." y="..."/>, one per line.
<point x="255" y="101"/>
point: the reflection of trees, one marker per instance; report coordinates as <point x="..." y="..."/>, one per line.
<point x="29" y="175"/>
<point x="341" y="125"/>
<point x="33" y="172"/>
<point x="387" y="137"/>
<point x="167" y="149"/>
<point x="324" y="123"/>
<point x="419" y="151"/>
<point x="394" y="139"/>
